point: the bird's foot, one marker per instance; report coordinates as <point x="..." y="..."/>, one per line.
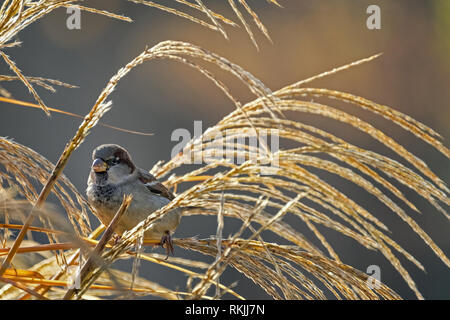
<point x="166" y="240"/>
<point x="115" y="238"/>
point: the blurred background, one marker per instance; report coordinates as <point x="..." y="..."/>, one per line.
<point x="309" y="37"/>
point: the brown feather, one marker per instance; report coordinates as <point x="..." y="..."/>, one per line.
<point x="154" y="185"/>
<point x="125" y="157"/>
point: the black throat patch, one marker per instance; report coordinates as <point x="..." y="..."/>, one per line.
<point x="100" y="178"/>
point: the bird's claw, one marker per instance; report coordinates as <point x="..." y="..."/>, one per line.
<point x="166" y="240"/>
<point x="116" y="238"/>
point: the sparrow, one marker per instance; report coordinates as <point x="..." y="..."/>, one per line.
<point x="113" y="175"/>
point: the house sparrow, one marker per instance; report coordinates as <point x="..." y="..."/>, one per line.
<point x="113" y="175"/>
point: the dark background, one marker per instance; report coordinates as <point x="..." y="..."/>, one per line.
<point x="413" y="76"/>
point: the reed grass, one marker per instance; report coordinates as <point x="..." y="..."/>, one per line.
<point x="255" y="192"/>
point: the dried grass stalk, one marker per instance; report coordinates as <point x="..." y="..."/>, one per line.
<point x="255" y="191"/>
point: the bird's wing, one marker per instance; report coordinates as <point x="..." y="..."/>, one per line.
<point x="153" y="185"/>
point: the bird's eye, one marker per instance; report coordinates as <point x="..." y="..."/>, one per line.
<point x="112" y="162"/>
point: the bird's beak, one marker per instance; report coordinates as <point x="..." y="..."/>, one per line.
<point x="99" y="165"/>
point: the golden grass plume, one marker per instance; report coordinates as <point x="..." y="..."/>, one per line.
<point x="259" y="191"/>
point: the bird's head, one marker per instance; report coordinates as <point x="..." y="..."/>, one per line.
<point x="112" y="160"/>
